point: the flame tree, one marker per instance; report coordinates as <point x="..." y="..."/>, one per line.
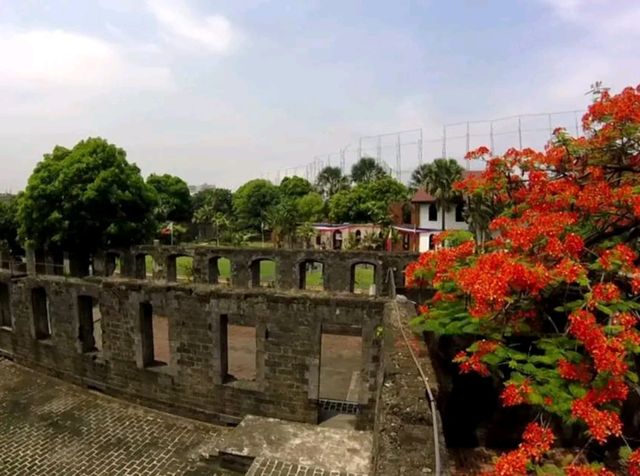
<point x="561" y="272"/>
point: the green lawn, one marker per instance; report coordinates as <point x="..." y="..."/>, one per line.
<point x="364" y="274"/>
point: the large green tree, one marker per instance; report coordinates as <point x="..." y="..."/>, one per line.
<point x="367" y="169"/>
<point x="294" y="187"/>
<point x="220" y="200"/>
<point x="439" y="177"/>
<point x="85" y="198"/>
<point x="9" y="223"/>
<point x="310" y="208"/>
<point x="330" y="181"/>
<point x="213" y="207"/>
<point x="367" y="202"/>
<point x="252" y="201"/>
<point x="174" y="198"/>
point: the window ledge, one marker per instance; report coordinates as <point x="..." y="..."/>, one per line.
<point x="6" y="329"/>
<point x="48" y="341"/>
<point x="160" y="368"/>
<point x="252" y="385"/>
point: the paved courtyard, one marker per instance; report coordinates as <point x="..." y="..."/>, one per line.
<point x="48" y="427"/>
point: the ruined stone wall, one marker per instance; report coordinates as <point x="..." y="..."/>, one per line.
<point x="289" y="265"/>
<point x="403" y="431"/>
<point x="288" y="334"/>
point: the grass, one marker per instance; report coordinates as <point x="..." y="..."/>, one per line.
<point x="364" y="274"/>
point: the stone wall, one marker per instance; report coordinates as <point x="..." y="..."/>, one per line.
<point x="288" y="334"/>
<point x="338" y="266"/>
<point x="403" y="431"/>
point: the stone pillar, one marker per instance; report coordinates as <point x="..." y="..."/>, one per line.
<point x="200" y="267"/>
<point x="338" y="275"/>
<point x="286" y="272"/>
<point x="100" y="264"/>
<point x="30" y="256"/>
<point x="240" y="272"/>
<point x="49" y="265"/>
<point x="160" y="262"/>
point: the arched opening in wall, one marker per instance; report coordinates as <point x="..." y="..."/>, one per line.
<point x="363" y="278"/>
<point x="358" y="237"/>
<point x="219" y="270"/>
<point x="263" y="273"/>
<point x="318" y="240"/>
<point x="432" y="242"/>
<point x="154" y="333"/>
<point x="143" y="266"/>
<point x="341" y="373"/>
<point x="41" y="314"/>
<point x="89" y="325"/>
<point x="180" y="268"/>
<point x="337" y="240"/>
<point x="311" y="275"/>
<point x="113" y="264"/>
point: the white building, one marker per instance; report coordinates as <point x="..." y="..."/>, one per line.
<point x="427" y="217"/>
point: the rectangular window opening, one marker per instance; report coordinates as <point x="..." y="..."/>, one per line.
<point x="154" y="331"/>
<point x="41" y="315"/>
<point x="238" y="351"/>
<point x="5" y="306"/>
<point x="90" y="324"/>
<point x="340" y="367"/>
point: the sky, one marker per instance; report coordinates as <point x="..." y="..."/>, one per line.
<point x="220" y="92"/>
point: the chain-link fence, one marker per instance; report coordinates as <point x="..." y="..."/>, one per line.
<point x="401" y="152"/>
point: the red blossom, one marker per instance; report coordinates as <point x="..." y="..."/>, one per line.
<point x="580" y="372"/>
<point x="633" y="463"/>
<point x="514" y="394"/>
<point x="581" y="470"/>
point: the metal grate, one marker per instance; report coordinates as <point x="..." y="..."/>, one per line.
<point x="339" y="407"/>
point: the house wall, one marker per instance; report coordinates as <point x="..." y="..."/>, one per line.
<point x="450" y="219"/>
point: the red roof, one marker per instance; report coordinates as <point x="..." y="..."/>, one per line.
<point x="421" y="196"/>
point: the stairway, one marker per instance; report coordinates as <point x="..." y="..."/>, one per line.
<point x="267" y="446"/>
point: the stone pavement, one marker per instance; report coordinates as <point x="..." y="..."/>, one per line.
<point x="273" y="467"/>
<point x="48" y="427"/>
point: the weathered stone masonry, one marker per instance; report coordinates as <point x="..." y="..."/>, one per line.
<point x="288" y="330"/>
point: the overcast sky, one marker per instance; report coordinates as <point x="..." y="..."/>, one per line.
<point x="222" y="91"/>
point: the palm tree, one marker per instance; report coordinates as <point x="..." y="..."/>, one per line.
<point x="330" y="181"/>
<point x="419" y="176"/>
<point x="440" y="175"/>
<point x="367" y="170"/>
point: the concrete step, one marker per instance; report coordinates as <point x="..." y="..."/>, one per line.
<point x="279" y="445"/>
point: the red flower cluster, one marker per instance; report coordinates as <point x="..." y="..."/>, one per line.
<point x="536" y="441"/>
<point x="514" y="394"/>
<point x="579" y="372"/>
<point x="608" y="353"/>
<point x="473" y="362"/>
<point x="494" y="276"/>
<point x="581" y="470"/>
<point x="604" y="293"/>
<point x="633" y="463"/>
